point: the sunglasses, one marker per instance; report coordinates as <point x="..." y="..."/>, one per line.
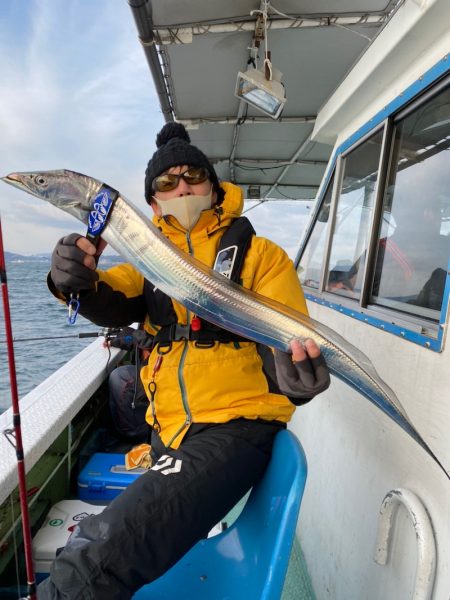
<point x="169" y="181"/>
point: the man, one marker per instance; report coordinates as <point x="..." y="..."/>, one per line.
<point x="214" y="406"/>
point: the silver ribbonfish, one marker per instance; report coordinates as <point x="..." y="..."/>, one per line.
<point x="207" y="293"/>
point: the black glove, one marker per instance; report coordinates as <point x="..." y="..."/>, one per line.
<point x="130" y="338"/>
<point x="68" y="272"/>
<point x="304" y="379"/>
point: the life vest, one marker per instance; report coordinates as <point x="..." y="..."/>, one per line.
<point x="229" y="261"/>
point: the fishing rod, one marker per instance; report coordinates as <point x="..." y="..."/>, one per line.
<point x="17" y="438"/>
<point x="107" y="333"/>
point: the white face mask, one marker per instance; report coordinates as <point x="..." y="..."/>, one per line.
<point x="186" y="209"/>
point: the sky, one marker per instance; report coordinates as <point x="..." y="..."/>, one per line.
<point x="76" y="93"/>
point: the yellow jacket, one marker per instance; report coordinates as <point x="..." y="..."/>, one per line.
<point x="226" y="381"/>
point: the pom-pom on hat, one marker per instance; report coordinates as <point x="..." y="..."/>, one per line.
<point x="174" y="148"/>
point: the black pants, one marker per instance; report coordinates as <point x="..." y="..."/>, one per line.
<point x="158" y="518"/>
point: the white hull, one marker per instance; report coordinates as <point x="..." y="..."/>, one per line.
<point x="356" y="456"/>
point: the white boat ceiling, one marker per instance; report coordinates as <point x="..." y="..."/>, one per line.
<point x="196" y="49"/>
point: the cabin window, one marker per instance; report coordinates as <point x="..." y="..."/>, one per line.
<point x="414" y="243"/>
<point x="353" y="218"/>
<point x="310" y="267"/>
<point x="380" y="242"/>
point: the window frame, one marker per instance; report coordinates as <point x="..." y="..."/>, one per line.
<point x="340" y="171"/>
<point x="412" y="327"/>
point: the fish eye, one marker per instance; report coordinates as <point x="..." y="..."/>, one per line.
<point x="40" y="180"/>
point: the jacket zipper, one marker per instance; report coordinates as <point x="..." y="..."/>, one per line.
<point x="181" y="381"/>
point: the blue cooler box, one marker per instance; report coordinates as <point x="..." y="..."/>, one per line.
<point x="105" y="476"/>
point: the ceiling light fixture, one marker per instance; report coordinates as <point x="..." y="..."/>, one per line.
<point x="265" y="94"/>
<point x="261" y="89"/>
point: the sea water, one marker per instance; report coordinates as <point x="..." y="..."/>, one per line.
<point x="35" y="313"/>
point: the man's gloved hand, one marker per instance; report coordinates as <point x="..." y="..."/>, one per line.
<point x="130" y="338"/>
<point x="73" y="264"/>
<point x="304" y="374"/>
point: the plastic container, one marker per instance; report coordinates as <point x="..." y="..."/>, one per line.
<point x="104" y="477"/>
<point x="54" y="533"/>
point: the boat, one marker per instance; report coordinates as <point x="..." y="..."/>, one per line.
<point x="364" y="129"/>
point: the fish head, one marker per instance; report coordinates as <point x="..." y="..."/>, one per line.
<point x="70" y="191"/>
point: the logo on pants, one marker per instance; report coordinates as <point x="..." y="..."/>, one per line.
<point x="167" y="465"/>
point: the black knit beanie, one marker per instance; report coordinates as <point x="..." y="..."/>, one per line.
<point x="175" y="149"/>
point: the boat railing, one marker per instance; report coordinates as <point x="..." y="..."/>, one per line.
<point x="426" y="545"/>
<point x="51" y="406"/>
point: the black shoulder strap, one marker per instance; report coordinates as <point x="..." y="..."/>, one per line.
<point x="233" y="247"/>
<point x="159" y="305"/>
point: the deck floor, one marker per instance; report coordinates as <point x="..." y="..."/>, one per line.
<point x="298" y="583"/>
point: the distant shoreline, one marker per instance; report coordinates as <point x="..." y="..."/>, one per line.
<point x="13" y="257"/>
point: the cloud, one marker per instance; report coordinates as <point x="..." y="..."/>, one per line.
<point x="280" y="221"/>
<point x="76" y="93"/>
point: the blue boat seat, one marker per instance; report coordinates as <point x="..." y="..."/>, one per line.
<point x="248" y="560"/>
